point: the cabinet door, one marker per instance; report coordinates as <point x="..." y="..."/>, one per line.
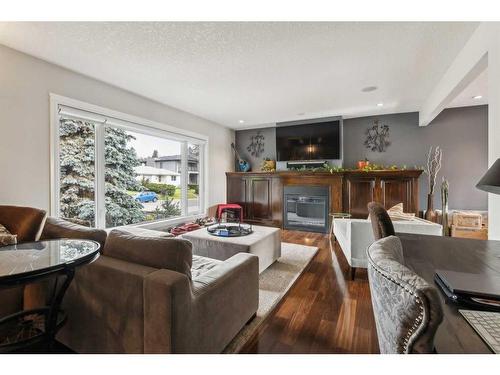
<point x="260" y="199"/>
<point x="360" y="192"/>
<point x="237" y="191"/>
<point x="394" y="191"/>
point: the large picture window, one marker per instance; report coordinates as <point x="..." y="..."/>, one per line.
<point x="111" y="172"/>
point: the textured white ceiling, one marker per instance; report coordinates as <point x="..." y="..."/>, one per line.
<point x="257" y="72"/>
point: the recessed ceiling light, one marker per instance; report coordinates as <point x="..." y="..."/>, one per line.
<point x="477" y="97"/>
<point x="369" y="88"/>
<point x="380" y="104"/>
<point x="241" y="121"/>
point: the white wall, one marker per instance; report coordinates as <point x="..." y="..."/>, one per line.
<point x="25" y="85"/>
<point x="494" y="128"/>
<point x="482" y="48"/>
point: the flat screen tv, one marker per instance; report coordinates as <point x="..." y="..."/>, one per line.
<point x="308" y="141"/>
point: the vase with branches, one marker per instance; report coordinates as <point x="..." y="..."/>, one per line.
<point x="434" y="159"/>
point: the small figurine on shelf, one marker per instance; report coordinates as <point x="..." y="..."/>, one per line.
<point x="268" y="165"/>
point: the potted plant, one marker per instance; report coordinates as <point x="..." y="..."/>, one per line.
<point x="363" y="163"/>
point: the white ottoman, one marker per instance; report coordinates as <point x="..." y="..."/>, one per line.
<point x="265" y="242"/>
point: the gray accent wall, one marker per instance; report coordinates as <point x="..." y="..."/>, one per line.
<point x="462" y="133"/>
<point x="243" y="139"/>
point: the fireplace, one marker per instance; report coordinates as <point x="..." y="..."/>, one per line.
<point x="306" y="208"/>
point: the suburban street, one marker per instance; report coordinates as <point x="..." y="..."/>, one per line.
<point x="151" y="206"/>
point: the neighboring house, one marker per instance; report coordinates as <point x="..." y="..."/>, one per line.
<point x="157" y="175"/>
<point x="173" y="163"/>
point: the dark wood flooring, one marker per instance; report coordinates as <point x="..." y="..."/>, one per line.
<point x="324" y="312"/>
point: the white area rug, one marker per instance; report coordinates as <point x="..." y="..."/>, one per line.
<point x="274" y="282"/>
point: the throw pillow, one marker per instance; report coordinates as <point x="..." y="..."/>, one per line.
<point x="7" y="238"/>
<point x="397" y="213"/>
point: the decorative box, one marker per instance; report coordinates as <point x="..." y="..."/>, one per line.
<point x="467" y="232"/>
<point x="467" y="220"/>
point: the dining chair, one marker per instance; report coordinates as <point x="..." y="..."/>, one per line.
<point x="407" y="308"/>
<point x="381" y="221"/>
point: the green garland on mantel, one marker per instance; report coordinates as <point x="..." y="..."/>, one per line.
<point x="327" y="167"/>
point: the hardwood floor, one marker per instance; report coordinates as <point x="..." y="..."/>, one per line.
<point x="324" y="312"/>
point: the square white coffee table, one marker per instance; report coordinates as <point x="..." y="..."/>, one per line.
<point x="265" y="242"/>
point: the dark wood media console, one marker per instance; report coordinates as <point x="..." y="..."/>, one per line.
<point x="261" y="194"/>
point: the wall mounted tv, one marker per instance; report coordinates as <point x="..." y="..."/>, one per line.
<point x="309" y="140"/>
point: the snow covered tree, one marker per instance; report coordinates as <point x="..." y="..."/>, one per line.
<point x="77" y="166"/>
<point x="121" y="208"/>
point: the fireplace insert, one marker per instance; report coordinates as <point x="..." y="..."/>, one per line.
<point x="306" y="208"/>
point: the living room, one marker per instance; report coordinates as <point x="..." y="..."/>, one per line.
<point x="251" y="187"/>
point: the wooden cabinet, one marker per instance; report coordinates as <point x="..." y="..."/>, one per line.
<point x="394" y="191"/>
<point x="384" y="188"/>
<point x="261" y="194"/>
<point x="358" y="192"/>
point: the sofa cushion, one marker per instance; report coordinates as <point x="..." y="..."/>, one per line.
<point x="148" y="232"/>
<point x="60" y="228"/>
<point x="148" y="250"/>
<point x="202" y="265"/>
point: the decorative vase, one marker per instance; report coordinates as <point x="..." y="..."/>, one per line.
<point x="444" y="205"/>
<point x="430" y="214"/>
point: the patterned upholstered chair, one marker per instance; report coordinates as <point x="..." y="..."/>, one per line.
<point x="407" y="309"/>
<point x="381" y="222"/>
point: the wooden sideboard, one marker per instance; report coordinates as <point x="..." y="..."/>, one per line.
<point x="261" y="194"/>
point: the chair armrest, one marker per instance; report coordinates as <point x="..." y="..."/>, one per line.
<point x="202" y="315"/>
<point x="105" y="305"/>
<point x="225" y="298"/>
<point x="165" y="292"/>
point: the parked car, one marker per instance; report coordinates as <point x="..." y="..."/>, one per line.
<point x="146" y="196"/>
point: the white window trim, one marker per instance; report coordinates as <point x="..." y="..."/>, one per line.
<point x="145" y="126"/>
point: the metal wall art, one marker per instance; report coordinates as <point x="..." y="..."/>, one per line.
<point x="256" y="146"/>
<point x="377" y="137"/>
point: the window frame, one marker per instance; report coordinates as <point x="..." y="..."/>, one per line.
<point x="134" y="124"/>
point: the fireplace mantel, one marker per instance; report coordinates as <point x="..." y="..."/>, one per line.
<point x="261" y="193"/>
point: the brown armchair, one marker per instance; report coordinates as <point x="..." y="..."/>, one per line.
<point x="31" y="224"/>
<point x="26" y="222"/>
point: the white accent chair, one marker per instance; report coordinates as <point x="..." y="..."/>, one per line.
<point x="355" y="235"/>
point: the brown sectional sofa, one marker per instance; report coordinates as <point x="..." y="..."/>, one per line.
<point x="128" y="301"/>
<point x="147" y="293"/>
